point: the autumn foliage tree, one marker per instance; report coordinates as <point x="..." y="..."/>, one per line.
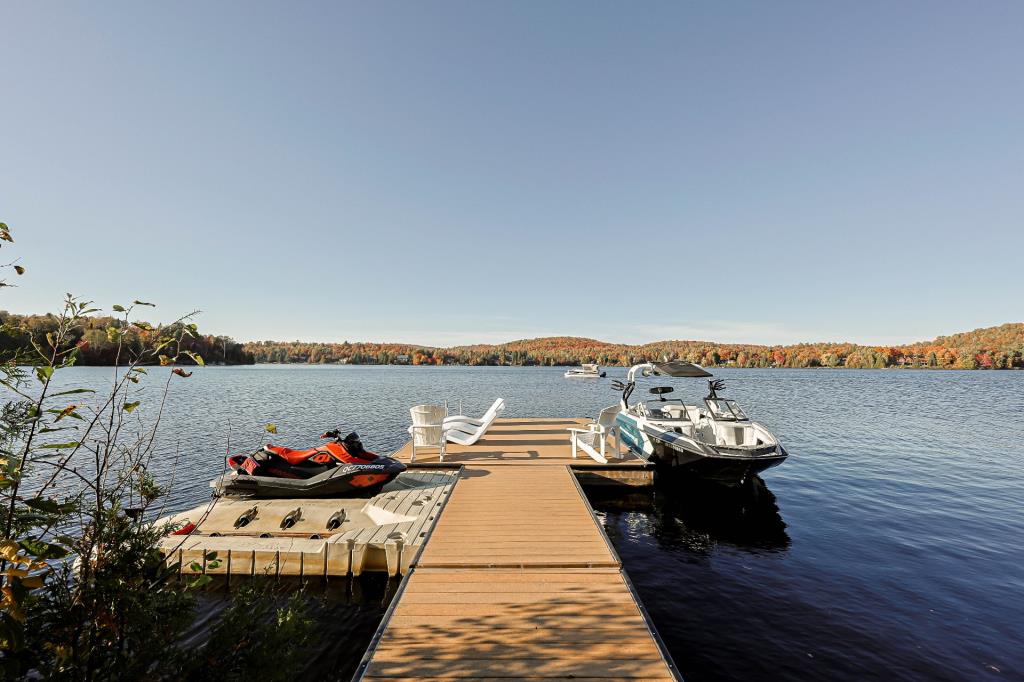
<point x="991" y="348"/>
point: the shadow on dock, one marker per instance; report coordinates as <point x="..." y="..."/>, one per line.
<point x="524" y="624"/>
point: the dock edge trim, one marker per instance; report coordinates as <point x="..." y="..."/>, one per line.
<point x="364" y="662"/>
<point x="673" y="668"/>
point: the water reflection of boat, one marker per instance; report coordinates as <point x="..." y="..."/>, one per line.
<point x="699" y="515"/>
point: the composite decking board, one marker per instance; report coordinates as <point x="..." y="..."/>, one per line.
<point x="476" y="524"/>
<point x="517" y="579"/>
<point x="511" y="642"/>
<point x="474" y="668"/>
<point x="541" y="635"/>
<point x="404" y="651"/>
<point x="588" y="586"/>
<point x="512" y="678"/>
<point x="518" y="597"/>
<point x="473" y="577"/>
<point x="614" y="626"/>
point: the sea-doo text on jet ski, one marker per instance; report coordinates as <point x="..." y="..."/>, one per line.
<point x="716" y="441"/>
<point x="339" y="468"/>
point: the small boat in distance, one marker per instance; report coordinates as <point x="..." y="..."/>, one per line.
<point x="587" y="370"/>
<point x="716" y="441"/>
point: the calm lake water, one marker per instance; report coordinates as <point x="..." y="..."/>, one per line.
<point x="889" y="546"/>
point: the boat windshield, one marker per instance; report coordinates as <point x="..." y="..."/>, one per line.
<point x="725" y="410"/>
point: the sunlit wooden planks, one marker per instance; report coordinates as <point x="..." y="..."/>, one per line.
<point x="516" y="516"/>
<point x="526" y="624"/>
<point x="516" y="580"/>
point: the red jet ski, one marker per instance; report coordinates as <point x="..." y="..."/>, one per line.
<point x="340" y="468"/>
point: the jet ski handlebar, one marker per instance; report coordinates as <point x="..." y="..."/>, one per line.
<point x="335" y="434"/>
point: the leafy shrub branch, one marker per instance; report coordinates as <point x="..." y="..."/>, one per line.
<point x="84" y="592"/>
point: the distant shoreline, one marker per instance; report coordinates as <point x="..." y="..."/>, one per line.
<point x="96" y="343"/>
<point x="999" y="347"/>
<point x="816" y="367"/>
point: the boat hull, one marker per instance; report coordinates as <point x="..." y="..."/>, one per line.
<point x="678" y="456"/>
<point x="726" y="470"/>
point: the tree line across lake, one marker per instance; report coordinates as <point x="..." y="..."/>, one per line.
<point x="999" y="347"/>
<point x="99" y="341"/>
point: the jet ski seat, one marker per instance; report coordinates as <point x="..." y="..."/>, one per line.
<point x="291" y="455"/>
<point x="329" y="450"/>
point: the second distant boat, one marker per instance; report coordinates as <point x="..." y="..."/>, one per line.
<point x="585" y="371"/>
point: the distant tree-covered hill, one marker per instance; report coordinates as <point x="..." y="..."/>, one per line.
<point x="999" y="347"/>
<point x="97" y="346"/>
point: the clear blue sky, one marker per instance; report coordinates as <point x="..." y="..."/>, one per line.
<point x="440" y="172"/>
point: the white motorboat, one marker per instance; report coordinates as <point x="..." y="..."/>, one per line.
<point x="585" y="371"/>
<point x="715" y="440"/>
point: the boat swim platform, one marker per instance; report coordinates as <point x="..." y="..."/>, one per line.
<point x="517" y="579"/>
<point x="382" y="533"/>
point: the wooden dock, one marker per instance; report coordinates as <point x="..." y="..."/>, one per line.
<point x="517" y="580"/>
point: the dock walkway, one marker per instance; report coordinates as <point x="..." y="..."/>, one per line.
<point x="517" y="579"/>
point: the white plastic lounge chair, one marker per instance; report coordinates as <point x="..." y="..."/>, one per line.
<point x="492" y="413"/>
<point x="427" y="429"/>
<point x="466" y="430"/>
<point x="591" y="439"/>
<point x="464" y="434"/>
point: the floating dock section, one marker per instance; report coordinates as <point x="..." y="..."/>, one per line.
<point x="518" y="579"/>
<point x="313" y="537"/>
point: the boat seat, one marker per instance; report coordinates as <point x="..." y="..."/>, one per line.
<point x="674" y="411"/>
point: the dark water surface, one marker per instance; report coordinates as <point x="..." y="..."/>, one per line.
<point x="347" y="611"/>
<point x="889" y="546"/>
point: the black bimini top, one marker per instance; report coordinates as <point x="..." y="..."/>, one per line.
<point x="678" y="368"/>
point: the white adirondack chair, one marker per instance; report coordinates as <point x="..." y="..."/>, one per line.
<point x="427" y="429"/>
<point x="593" y="437"/>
